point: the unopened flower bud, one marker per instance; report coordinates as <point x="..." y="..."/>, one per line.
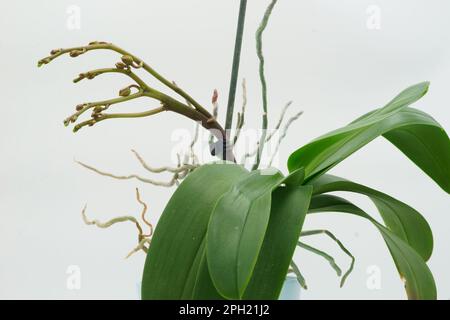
<point x="74" y="53"/>
<point x="128" y="60"/>
<point x="76" y="128"/>
<point x="98" y="109"/>
<point x="96" y="116"/>
<point x="125" y="92"/>
<point x="44" y="61"/>
<point x="121" y="65"/>
<point x="215" y="96"/>
<point x="55" y="51"/>
<point x="79" y="107"/>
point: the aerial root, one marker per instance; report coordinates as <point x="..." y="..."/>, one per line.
<point x="143" y="239"/>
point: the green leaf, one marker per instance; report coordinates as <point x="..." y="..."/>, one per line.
<point x="414" y="132"/>
<point x="427" y="145"/>
<point x="288" y="211"/>
<point x="177" y="252"/>
<point x="419" y="282"/>
<point x="295" y="178"/>
<point x="401" y="219"/>
<point x="204" y="288"/>
<point x="236" y="231"/>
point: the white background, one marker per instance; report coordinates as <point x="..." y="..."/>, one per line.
<point x="321" y="54"/>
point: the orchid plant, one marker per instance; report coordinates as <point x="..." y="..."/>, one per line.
<point x="230" y="232"/>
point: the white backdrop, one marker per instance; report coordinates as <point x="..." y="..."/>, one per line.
<point x="330" y="57"/>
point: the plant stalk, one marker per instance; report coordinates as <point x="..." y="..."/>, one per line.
<point x="235" y="68"/>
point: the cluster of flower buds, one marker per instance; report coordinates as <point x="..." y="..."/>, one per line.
<point x="49" y="59"/>
<point x="89" y="123"/>
<point x="44" y="61"/>
<point x="86" y="75"/>
<point x="80" y="108"/>
<point x="70" y="120"/>
<point x="97" y="111"/>
<point x="128" y="61"/>
<point x="124" y="66"/>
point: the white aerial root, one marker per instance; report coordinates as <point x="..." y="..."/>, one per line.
<point x="169" y="183"/>
<point x="140" y="246"/>
<point x="241" y="115"/>
<point x="339" y="243"/>
<point x="183" y="168"/>
<point x="143" y="239"/>
<point x="190" y="163"/>
<point x="283" y="135"/>
<point x="192" y="156"/>
<point x="108" y="223"/>
<point x="296" y="270"/>
<point x="178" y="169"/>
<point x="280" y="120"/>
<point x="271" y="135"/>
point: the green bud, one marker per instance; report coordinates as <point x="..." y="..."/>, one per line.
<point x="55" y="51"/>
<point x="76" y="128"/>
<point x="79" y="107"/>
<point x="128" y="60"/>
<point x="44" y="61"/>
<point x="74" y="53"/>
<point x="125" y="92"/>
<point x="96" y="116"/>
<point x="98" y="109"/>
<point x="121" y="65"/>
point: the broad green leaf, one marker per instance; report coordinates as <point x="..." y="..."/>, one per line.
<point x="236" y="231"/>
<point x="288" y="211"/>
<point x="194" y="275"/>
<point x="175" y="257"/>
<point x="401" y="219"/>
<point x="295" y="178"/>
<point x="427" y="145"/>
<point x="204" y="288"/>
<point x="419" y="282"/>
<point x="414" y="132"/>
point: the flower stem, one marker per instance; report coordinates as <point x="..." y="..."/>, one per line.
<point x="235" y="68"/>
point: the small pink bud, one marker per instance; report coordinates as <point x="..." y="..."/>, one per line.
<point x="215" y="96"/>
